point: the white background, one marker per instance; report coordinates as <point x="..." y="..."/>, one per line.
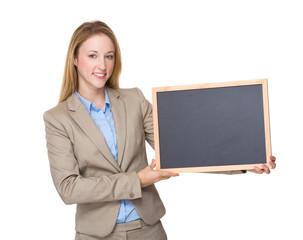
<point x="163" y="43"/>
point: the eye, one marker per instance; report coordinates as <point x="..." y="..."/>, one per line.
<point x="92" y="56"/>
<point x="110" y="57"/>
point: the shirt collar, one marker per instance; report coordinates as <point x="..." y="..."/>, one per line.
<point x="91" y="106"/>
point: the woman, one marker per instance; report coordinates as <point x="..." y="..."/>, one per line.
<point x="96" y="144"/>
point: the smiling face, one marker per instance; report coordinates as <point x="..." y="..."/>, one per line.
<point x="95" y="63"/>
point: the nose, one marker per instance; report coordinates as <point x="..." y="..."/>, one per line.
<point x="102" y="64"/>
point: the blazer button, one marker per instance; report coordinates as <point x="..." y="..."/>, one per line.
<point x="131" y="195"/>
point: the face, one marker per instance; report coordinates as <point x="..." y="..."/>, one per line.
<point x="95" y="62"/>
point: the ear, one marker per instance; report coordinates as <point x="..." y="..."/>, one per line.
<point x="76" y="62"/>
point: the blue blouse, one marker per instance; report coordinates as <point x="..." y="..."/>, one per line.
<point x="105" y="122"/>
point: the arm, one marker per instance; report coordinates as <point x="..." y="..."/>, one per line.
<point x="148" y="175"/>
<point x="230" y="172"/>
<point x="257" y="170"/>
<point x="74" y="188"/>
<point x="147" y="115"/>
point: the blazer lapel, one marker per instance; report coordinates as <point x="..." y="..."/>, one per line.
<point x="119" y="115"/>
<point x="87" y="124"/>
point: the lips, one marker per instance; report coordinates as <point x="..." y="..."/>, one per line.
<point x="100" y="75"/>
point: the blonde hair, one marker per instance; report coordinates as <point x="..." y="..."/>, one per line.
<point x="82" y="33"/>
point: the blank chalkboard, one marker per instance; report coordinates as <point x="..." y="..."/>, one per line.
<point x="212" y="127"/>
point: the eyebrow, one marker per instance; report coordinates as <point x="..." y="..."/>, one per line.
<point x="97" y="51"/>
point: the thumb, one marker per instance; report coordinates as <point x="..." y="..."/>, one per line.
<point x="153" y="164"/>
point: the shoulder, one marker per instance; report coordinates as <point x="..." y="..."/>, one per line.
<point x="59" y="108"/>
<point x="123" y="92"/>
<point x="59" y="112"/>
<point x="128" y="94"/>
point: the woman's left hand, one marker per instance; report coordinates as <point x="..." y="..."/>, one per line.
<point x="265" y="168"/>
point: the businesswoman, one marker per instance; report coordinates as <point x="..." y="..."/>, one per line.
<point x="96" y="144"/>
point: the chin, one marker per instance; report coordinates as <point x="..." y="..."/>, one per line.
<point x="100" y="85"/>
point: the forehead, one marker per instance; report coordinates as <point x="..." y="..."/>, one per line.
<point x="98" y="42"/>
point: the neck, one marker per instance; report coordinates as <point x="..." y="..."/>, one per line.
<point x="96" y="96"/>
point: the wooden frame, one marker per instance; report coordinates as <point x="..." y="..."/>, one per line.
<point x="215" y="168"/>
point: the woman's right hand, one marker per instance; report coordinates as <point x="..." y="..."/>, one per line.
<point x="149" y="176"/>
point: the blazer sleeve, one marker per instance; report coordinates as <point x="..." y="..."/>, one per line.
<point x="71" y="186"/>
<point x="147" y="114"/>
<point x="230" y="172"/>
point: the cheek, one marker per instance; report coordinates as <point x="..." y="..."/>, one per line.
<point x="111" y="66"/>
<point x="84" y="65"/>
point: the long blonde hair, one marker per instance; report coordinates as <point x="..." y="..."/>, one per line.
<point x="82" y="33"/>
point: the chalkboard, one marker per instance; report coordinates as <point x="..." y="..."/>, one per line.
<point x="212" y="127"/>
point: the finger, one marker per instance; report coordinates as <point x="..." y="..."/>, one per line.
<point x="153" y="164"/>
<point x="258" y="170"/>
<point x="266" y="169"/>
<point x="167" y="175"/>
<point x="164" y="178"/>
<point x="272" y="164"/>
<point x="172" y="174"/>
<point x="253" y="171"/>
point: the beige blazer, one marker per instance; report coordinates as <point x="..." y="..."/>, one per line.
<point x="83" y="169"/>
